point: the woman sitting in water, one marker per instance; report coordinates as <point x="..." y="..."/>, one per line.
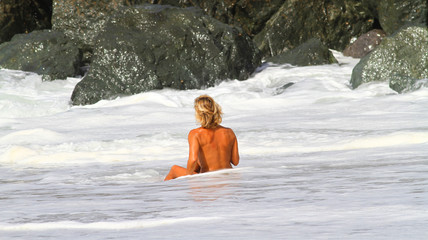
<point x="211" y="147"/>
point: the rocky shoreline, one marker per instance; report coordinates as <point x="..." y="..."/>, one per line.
<point x="124" y="47"/>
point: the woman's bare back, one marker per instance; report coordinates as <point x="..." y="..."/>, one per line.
<point x="218" y="148"/>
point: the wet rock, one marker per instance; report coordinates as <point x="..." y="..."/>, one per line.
<point x="45" y="52"/>
<point x="364" y="44"/>
<point x="250" y="15"/>
<point x="312" y="52"/>
<point x="23" y="17"/>
<point x="174" y="3"/>
<point x="401" y="60"/>
<point x="393" y="14"/>
<point x="371" y="6"/>
<point x="151" y="47"/>
<point x="83" y="20"/>
<point x="335" y="23"/>
<point x="282" y="89"/>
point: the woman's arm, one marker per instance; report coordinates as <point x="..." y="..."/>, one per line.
<point x="235" y="153"/>
<point x="193" y="165"/>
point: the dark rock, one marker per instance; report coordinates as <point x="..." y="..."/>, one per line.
<point x="312" y="52"/>
<point x="371" y="6"/>
<point x="174" y="3"/>
<point x="284" y="87"/>
<point x="45" y="52"/>
<point x="250" y="15"/>
<point x="393" y="14"/>
<point x="23" y="17"/>
<point x="151" y="47"/>
<point x="83" y="20"/>
<point x="364" y="44"/>
<point x="401" y="60"/>
<point x="334" y="22"/>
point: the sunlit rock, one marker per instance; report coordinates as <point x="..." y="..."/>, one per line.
<point x="152" y="47"/>
<point x="45" y="52"/>
<point x="82" y="20"/>
<point x="401" y="60"/>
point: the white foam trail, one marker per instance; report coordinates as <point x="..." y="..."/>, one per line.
<point x="151" y="149"/>
<point x="26" y="155"/>
<point x="149" y="175"/>
<point x="390" y="140"/>
<point x="25" y="95"/>
<point x="101" y="225"/>
<point x="218" y="172"/>
<point x="37" y="135"/>
<point x="153" y="97"/>
<point x="16" y="154"/>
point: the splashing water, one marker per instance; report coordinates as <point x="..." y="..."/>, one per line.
<point x="318" y="161"/>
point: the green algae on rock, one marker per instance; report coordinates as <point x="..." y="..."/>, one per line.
<point x="401" y="60"/>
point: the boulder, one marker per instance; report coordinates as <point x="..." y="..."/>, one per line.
<point x="45" y="52"/>
<point x="312" y="52"/>
<point x="364" y="44"/>
<point x="82" y="20"/>
<point x="250" y="15"/>
<point x="151" y="47"/>
<point x="334" y="22"/>
<point x="23" y="17"/>
<point x="393" y="14"/>
<point x="401" y="60"/>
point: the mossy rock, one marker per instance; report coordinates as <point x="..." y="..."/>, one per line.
<point x="401" y="60"/>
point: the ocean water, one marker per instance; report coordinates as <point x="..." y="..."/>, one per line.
<point x="318" y="161"/>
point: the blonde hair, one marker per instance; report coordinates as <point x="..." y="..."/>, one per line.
<point x="208" y="112"/>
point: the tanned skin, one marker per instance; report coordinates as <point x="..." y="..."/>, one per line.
<point x="209" y="150"/>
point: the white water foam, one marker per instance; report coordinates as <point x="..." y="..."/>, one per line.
<point x="67" y="225"/>
<point x="318" y="161"/>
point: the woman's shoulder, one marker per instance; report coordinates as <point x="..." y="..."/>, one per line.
<point x="196" y="130"/>
<point x="225" y="128"/>
<point x="226" y="131"/>
<point x="218" y="128"/>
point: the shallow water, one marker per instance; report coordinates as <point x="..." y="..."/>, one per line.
<point x="318" y="161"/>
